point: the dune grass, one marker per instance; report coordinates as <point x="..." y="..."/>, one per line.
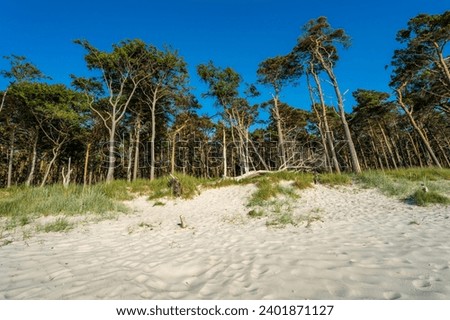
<point x="407" y="184"/>
<point x="59" y="225"/>
<point x="20" y="206"/>
<point x="425" y="198"/>
<point x="55" y="200"/>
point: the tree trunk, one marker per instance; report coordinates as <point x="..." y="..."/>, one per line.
<point x="224" y="152"/>
<point x="348" y="135"/>
<point x="136" y="149"/>
<point x="325" y="121"/>
<point x="172" y="155"/>
<point x="388" y="146"/>
<point x="2" y="103"/>
<point x="111" y="157"/>
<point x="416" y="151"/>
<point x="55" y="152"/>
<point x="33" y="162"/>
<point x="66" y="177"/>
<point x="152" y="141"/>
<point x="130" y="157"/>
<point x="86" y="164"/>
<point x="281" y="142"/>
<point x="11" y="158"/>
<point x="416" y="126"/>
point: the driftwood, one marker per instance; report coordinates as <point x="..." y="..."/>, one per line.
<point x="251" y="174"/>
<point x="182" y="222"/>
<point x="175" y="185"/>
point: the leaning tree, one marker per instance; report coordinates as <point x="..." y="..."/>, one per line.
<point x="317" y="50"/>
<point x="421" y="76"/>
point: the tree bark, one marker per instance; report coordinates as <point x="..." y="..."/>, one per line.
<point x="55" y="152"/>
<point x="33" y="162"/>
<point x="224" y="152"/>
<point x="11" y="158"/>
<point x="111" y="157"/>
<point x="86" y="164"/>
<point x="136" y="149"/>
<point x="281" y="141"/>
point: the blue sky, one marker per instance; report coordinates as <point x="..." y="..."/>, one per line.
<point x="235" y="33"/>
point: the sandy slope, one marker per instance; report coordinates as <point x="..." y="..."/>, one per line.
<point x="367" y="246"/>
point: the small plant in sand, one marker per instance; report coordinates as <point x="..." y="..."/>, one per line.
<point x="60" y="225"/>
<point x="272" y="200"/>
<point x="256" y="213"/>
<point x="281" y="220"/>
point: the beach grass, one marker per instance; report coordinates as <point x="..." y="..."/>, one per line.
<point x="422" y="198"/>
<point x="407" y="184"/>
<point x="20" y="206"/>
<point x="55" y="200"/>
<point x="59" y="225"/>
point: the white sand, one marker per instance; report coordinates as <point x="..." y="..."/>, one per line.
<point x="367" y="246"/>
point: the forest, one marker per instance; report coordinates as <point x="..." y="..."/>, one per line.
<point x="137" y="118"/>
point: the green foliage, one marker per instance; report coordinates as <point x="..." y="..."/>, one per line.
<point x="21" y="70"/>
<point x="422" y="198"/>
<point x="275" y="199"/>
<point x="303" y="181"/>
<point x="333" y="179"/>
<point x="267" y="189"/>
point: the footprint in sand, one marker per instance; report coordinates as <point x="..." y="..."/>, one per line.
<point x="421" y="283"/>
<point x="392" y="295"/>
<point x="438" y="267"/>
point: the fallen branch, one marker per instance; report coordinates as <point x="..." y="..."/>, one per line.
<point x="251" y="174"/>
<point x="182" y="224"/>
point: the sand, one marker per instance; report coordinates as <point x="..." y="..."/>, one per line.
<point x="364" y="246"/>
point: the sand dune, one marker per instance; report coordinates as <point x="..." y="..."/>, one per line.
<point x="365" y="246"/>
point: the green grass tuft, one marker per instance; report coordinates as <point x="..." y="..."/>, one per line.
<point x="255" y="213"/>
<point x="267" y="189"/>
<point x="60" y="225"/>
<point x="282" y="220"/>
<point x="333" y="179"/>
<point x="422" y="198"/>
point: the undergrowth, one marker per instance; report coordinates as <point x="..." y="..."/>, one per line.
<point x="20" y="206"/>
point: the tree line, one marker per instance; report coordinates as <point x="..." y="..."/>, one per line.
<point x="136" y="116"/>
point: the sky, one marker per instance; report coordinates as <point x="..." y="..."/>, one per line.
<point x="231" y="33"/>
